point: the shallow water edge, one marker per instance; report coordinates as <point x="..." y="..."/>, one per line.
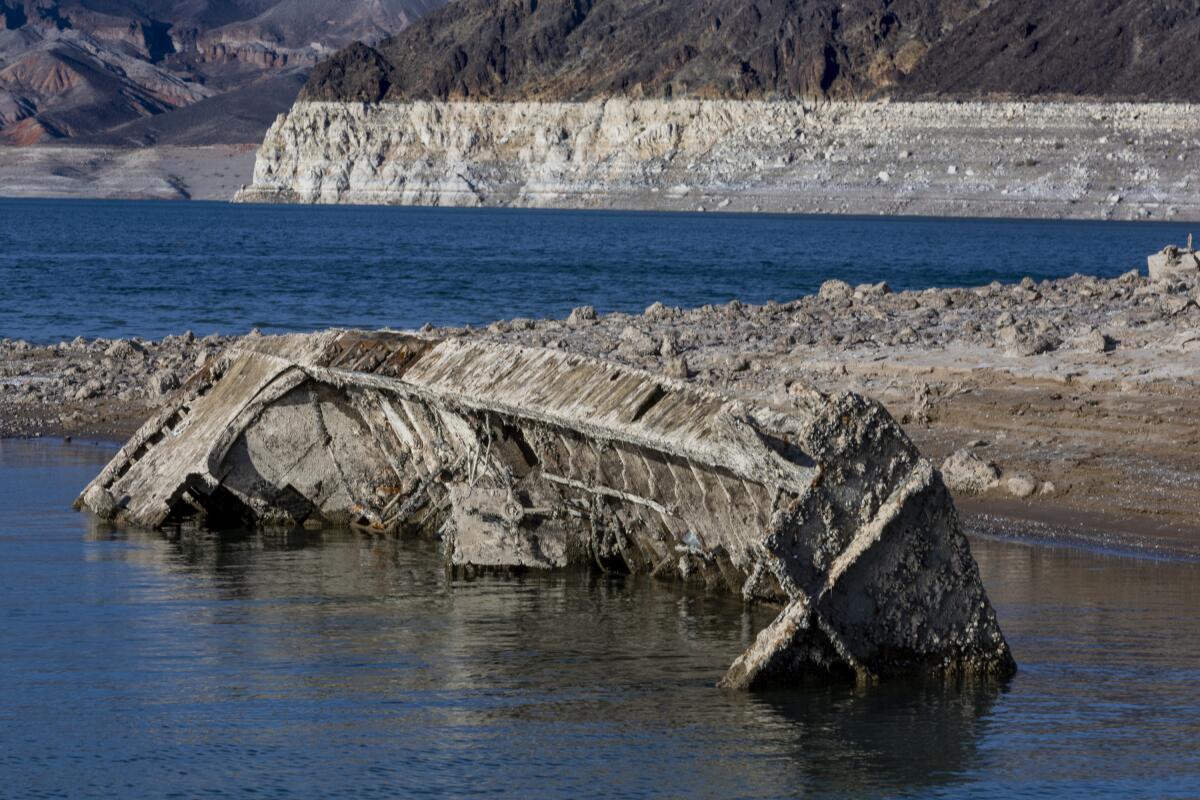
<point x="331" y="663"/>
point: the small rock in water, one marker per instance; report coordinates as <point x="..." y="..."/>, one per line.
<point x="101" y="503"/>
<point x="965" y="472"/>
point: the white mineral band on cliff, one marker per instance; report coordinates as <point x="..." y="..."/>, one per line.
<point x="1047" y="159"/>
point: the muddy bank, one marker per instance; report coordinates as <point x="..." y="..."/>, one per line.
<point x="1071" y="404"/>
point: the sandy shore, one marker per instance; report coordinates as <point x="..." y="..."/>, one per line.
<point x="1071" y="408"/>
<point x="165" y="172"/>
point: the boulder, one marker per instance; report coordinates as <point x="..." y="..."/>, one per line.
<point x="965" y="472"/>
<point x="1021" y="485"/>
<point x="835" y="290"/>
<point x="1174" y="262"/>
<point x="164" y="382"/>
<point x="581" y="315"/>
<point x="636" y="343"/>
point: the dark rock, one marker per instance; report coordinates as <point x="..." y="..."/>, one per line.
<point x="571" y="50"/>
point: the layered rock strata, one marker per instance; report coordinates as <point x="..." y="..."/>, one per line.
<point x="1079" y="160"/>
<point x="525" y="457"/>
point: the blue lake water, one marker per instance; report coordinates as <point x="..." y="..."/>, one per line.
<point x="93" y="268"/>
<point x="325" y="664"/>
<point x="330" y="664"/>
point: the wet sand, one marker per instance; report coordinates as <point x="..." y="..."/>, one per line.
<point x="1075" y="401"/>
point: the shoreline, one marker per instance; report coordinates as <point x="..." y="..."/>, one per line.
<point x="1071" y="407"/>
<point x="107" y="172"/>
<point x="994" y="520"/>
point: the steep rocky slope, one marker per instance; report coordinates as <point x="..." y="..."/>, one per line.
<point x="80" y="68"/>
<point x="1009" y="159"/>
<point x="862" y="106"/>
<point x="585" y="49"/>
<point x="1122" y="49"/>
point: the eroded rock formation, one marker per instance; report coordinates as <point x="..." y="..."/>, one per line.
<point x="1172" y="262"/>
<point x="1081" y="160"/>
<point x="523" y="457"/>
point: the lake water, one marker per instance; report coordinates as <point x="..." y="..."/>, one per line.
<point x="327" y="664"/>
<point x="93" y="268"/>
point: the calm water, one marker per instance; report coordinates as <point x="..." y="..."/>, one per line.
<point x="70" y="268"/>
<point x="329" y="664"/>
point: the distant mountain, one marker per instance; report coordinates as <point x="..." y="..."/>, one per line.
<point x="94" y="68"/>
<point x="579" y="49"/>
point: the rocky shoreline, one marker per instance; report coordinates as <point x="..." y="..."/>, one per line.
<point x="1064" y="409"/>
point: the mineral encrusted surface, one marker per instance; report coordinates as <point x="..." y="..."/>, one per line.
<point x="1010" y="159"/>
<point x="518" y="457"/>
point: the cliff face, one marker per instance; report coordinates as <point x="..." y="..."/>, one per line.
<point x="583" y="49"/>
<point x="780" y="49"/>
<point x="992" y="159"/>
<point x="688" y="103"/>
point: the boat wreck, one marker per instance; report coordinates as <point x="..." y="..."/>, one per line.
<point x="535" y="458"/>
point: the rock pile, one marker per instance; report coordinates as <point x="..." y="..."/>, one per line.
<point x="97" y="387"/>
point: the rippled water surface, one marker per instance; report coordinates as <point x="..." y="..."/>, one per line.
<point x="90" y="268"/>
<point x="331" y="664"/>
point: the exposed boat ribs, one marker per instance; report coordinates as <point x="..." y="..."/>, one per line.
<point x="520" y="457"/>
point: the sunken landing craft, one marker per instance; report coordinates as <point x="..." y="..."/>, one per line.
<point x="520" y="457"/>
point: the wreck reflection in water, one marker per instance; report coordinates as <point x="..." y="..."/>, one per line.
<point x="323" y="663"/>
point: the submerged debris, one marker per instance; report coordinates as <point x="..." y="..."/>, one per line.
<point x="523" y="457"/>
